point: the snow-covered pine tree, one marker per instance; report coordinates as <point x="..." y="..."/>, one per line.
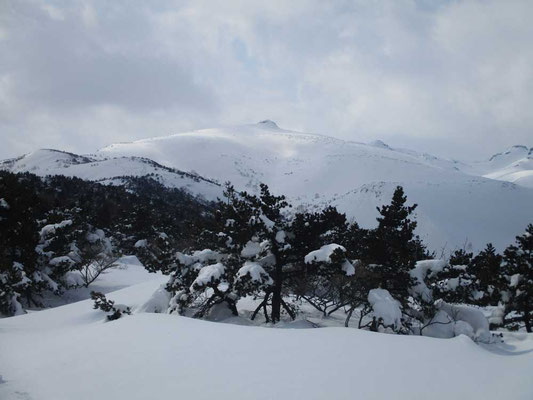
<point x="461" y="257"/>
<point x="157" y="253"/>
<point x="246" y="245"/>
<point x="393" y="248"/>
<point x="140" y="209"/>
<point x="518" y="266"/>
<point x="322" y="282"/>
<point x="486" y="273"/>
<point x="19" y="210"/>
<point x="72" y="252"/>
<point x="453" y="283"/>
<point x="328" y="278"/>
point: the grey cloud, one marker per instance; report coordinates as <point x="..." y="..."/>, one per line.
<point x="440" y="76"/>
<point x="63" y="63"/>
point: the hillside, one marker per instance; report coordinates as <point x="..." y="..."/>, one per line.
<point x="109" y="170"/>
<point x="514" y="165"/>
<point x="456" y="204"/>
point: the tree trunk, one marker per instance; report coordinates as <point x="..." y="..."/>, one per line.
<point x="276" y="294"/>
<point x="347" y="321"/>
<point x="527" y="320"/>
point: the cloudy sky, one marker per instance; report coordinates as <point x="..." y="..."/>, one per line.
<point x="454" y="78"/>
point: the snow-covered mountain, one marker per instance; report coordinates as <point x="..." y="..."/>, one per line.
<point x="109" y="170"/>
<point x="514" y="165"/>
<point x="457" y="204"/>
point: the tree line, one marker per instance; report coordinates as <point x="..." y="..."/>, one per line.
<point x="255" y="246"/>
<point x="57" y="233"/>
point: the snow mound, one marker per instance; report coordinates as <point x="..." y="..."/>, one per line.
<point x="387" y="308"/>
<point x="323" y="254"/>
<point x="51" y="229"/>
<point x="468" y="315"/>
<point x="208" y="274"/>
<point x="157" y="303"/>
<point x="199" y="256"/>
<point x="251" y="249"/>
<point x="255" y="271"/>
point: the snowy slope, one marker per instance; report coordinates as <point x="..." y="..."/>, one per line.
<point x="498" y="161"/>
<point x="70" y="352"/>
<point x="452" y="214"/>
<point x="514" y="165"/>
<point x="297" y="164"/>
<point x="109" y="170"/>
<point x="456" y="206"/>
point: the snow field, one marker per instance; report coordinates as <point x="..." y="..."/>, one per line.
<point x="70" y="352"/>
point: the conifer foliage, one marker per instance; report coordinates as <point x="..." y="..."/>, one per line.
<point x="518" y="266"/>
<point x="392" y="248"/>
<point x="59" y="233"/>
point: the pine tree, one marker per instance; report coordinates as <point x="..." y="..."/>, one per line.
<point x="19" y="210"/>
<point x="33" y="261"/>
<point x="247" y="254"/>
<point x="393" y="248"/>
<point x="485" y="270"/>
<point x="518" y="265"/>
<point x="461" y="257"/>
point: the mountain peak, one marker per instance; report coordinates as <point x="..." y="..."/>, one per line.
<point x="379" y="143"/>
<point x="267" y="123"/>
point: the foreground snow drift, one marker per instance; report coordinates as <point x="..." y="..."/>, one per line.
<point x="70" y="353"/>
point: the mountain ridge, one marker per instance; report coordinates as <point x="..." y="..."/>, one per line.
<point x="457" y="203"/>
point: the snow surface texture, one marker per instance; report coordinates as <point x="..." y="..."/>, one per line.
<point x="71" y="352"/>
<point x="456" y="203"/>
